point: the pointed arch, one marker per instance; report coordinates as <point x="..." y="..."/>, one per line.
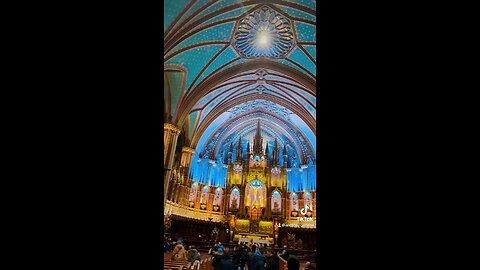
<point x="276" y="201"/>
<point x="234" y="199"/>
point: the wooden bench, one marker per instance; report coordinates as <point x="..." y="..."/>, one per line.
<point x="175" y="265"/>
<point x="205" y="264"/>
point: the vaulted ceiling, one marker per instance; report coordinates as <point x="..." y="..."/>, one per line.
<point x="220" y="81"/>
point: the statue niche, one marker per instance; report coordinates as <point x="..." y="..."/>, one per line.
<point x="234" y="200"/>
<point x="276" y="202"/>
<point x="217" y="200"/>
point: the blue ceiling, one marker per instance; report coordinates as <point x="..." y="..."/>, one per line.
<point x="199" y="37"/>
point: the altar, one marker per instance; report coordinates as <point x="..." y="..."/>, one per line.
<point x="255" y="241"/>
<point x="263" y="239"/>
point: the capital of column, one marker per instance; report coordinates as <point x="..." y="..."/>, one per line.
<point x="171" y="128"/>
<point x="188" y="149"/>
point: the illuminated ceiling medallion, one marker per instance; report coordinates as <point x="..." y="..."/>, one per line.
<point x="264" y="33"/>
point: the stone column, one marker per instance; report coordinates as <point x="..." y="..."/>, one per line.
<point x="226" y="201"/>
<point x="170" y="136"/>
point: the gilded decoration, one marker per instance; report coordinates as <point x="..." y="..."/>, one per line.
<point x="171" y="127"/>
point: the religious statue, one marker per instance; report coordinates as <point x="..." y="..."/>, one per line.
<point x="291" y="240"/>
<point x="299" y="244"/>
<point x="214" y="234"/>
<point x="204" y="197"/>
<point x="234" y="204"/>
<point x="275" y="207"/>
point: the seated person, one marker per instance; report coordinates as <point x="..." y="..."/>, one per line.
<point x="193" y="256"/>
<point x="179" y="253"/>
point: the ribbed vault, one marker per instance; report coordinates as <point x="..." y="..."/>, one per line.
<point x="217" y="93"/>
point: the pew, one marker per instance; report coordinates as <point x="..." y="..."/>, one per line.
<point x="205" y="264"/>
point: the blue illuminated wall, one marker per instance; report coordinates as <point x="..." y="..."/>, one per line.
<point x="208" y="172"/>
<point x="299" y="179"/>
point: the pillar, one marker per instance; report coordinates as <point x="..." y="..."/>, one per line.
<point x="269" y="202"/>
<point x="172" y="187"/>
<point x="170" y="136"/>
<point x="226" y="201"/>
<point x="185" y="161"/>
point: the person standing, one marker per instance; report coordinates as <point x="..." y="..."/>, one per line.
<point x="226" y="262"/>
<point x="243" y="256"/>
<point x="272" y="262"/>
<point x="217" y="251"/>
<point x="236" y="256"/>
<point x="220" y="248"/>
<point x="258" y="261"/>
<point x="250" y="254"/>
<point x="293" y="263"/>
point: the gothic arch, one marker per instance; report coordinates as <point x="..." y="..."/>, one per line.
<point x="211" y="81"/>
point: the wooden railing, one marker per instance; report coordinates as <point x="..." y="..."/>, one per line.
<point x="193" y="213"/>
<point x="282" y="264"/>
